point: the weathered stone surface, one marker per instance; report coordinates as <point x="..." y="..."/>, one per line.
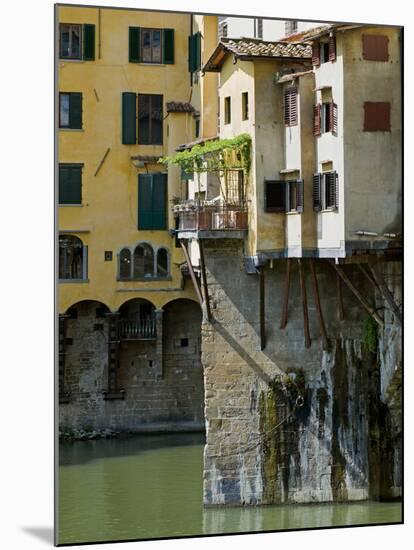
<point x="167" y="398"/>
<point x="262" y="447"/>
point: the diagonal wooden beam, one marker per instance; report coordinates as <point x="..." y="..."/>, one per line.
<point x="322" y="327"/>
<point x="204" y="279"/>
<point x="192" y="274"/>
<point x="262" y="308"/>
<point x="340" y="298"/>
<point x="285" y="310"/>
<point x="368" y="275"/>
<point x="304" y="304"/>
<point x="386" y="294"/>
<point x="357" y="294"/>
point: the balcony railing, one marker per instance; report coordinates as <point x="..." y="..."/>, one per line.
<point x="203" y="217"/>
<point x="137" y="329"/>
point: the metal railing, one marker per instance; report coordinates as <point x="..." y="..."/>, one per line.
<point x="137" y="329"/>
<point x="213" y="217"/>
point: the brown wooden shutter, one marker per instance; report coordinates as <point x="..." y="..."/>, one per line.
<point x="334" y="111"/>
<point x="377" y="117"/>
<point x="316" y="56"/>
<point x="336" y="191"/>
<point x="317" y="179"/>
<point x="375" y="47"/>
<point x="332" y="48"/>
<point x="290" y="106"/>
<point x="299" y="195"/>
<point x="317" y="120"/>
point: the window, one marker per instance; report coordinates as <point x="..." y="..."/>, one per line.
<point x="72" y="258"/>
<point x="245" y="105"/>
<point x="77" y="41"/>
<point x="152" y="201"/>
<point x="325" y="118"/>
<point x="125" y="264"/>
<point x="151" y="45"/>
<point x="290" y="107"/>
<point x="260" y="28"/>
<point x="197" y="126"/>
<point x="194" y="52"/>
<point x="150" y="119"/>
<point x="223" y="30"/>
<point x="162" y="263"/>
<point x="142" y="263"/>
<point x="234" y="187"/>
<point x="227" y="110"/>
<point x="324" y="51"/>
<point x="325" y="191"/>
<point x="375" y="47"/>
<point x="283" y="196"/>
<point x="377" y="117"/>
<point x="70" y="183"/>
<point x="70" y="110"/>
<point x="291" y="27"/>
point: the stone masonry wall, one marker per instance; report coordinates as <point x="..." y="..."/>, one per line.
<point x="289" y="423"/>
<point x="172" y="400"/>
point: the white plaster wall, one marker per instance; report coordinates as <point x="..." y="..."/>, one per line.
<point x="330" y="225"/>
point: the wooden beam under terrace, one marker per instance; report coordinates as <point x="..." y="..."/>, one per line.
<point x="368" y="275"/>
<point x="285" y="310"/>
<point x="204" y="279"/>
<point x="308" y="342"/>
<point x="192" y="274"/>
<point x="262" y="308"/>
<point x="340" y="298"/>
<point x="322" y="327"/>
<point x="386" y="294"/>
<point x="357" y="294"/>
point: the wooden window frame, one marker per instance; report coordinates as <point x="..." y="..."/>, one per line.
<point x="141" y="40"/>
<point x="71" y="57"/>
<point x="325" y="192"/>
<point x="69" y="126"/>
<point x="290" y="106"/>
<point x="227" y="110"/>
<point x="245" y="105"/>
<point x="84" y="260"/>
<point x="150" y="130"/>
<point x="71" y="165"/>
<point x="287" y="186"/>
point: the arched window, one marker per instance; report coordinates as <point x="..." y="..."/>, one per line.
<point x="72" y="258"/>
<point x="125" y="264"/>
<point x="162" y="263"/>
<point x="143" y="261"/>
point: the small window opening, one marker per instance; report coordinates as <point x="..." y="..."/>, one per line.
<point x="184" y="342"/>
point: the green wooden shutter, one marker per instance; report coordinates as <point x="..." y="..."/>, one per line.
<point x="70" y="184"/>
<point x="75" y="110"/>
<point x="129" y="118"/>
<point x="198" y="51"/>
<point x="168" y="47"/>
<point x="144" y="201"/>
<point x="190" y="54"/>
<point x="89" y="42"/>
<point x="134" y="45"/>
<point x="159" y="201"/>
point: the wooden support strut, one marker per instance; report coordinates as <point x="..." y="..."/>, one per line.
<point x="304" y="305"/>
<point x="262" y="308"/>
<point x="285" y="310"/>
<point x="357" y="294"/>
<point x="192" y="274"/>
<point x="204" y="279"/>
<point x="386" y="294"/>
<point x="316" y="296"/>
<point x="341" y="311"/>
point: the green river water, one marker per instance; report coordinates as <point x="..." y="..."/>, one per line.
<point x="150" y="486"/>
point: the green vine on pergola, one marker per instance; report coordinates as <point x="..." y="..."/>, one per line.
<point x="213" y="156"/>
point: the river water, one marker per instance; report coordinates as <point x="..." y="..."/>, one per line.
<point x="150" y="486"/>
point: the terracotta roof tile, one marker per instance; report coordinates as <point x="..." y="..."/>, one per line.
<point x="251" y="48"/>
<point x="180" y="107"/>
